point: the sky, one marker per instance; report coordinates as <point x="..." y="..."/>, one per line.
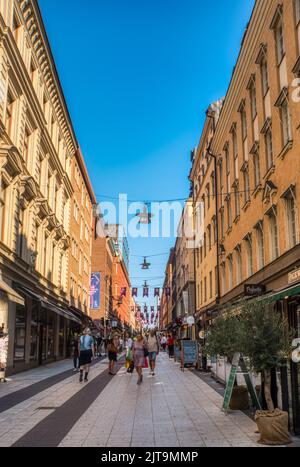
<point x="138" y="76"/>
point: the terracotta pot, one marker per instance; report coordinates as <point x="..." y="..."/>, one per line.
<point x="273" y="427"/>
<point x="240" y="398"/>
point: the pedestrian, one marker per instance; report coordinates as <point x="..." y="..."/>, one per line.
<point x="170" y="343"/>
<point x="140" y="352"/>
<point x="112" y="354"/>
<point x="99" y="342"/>
<point x="76" y="353"/>
<point x="163" y="342"/>
<point x="86" y="353"/>
<point x="3" y="354"/>
<point x="153" y="349"/>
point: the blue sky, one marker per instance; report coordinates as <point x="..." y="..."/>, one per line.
<point x="138" y="76"/>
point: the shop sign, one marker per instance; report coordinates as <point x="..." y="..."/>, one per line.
<point x="294" y="276"/>
<point x="254" y="290"/>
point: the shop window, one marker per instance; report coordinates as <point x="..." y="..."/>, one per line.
<point x="34" y="333"/>
<point x="20" y="334"/>
<point x="61" y="344"/>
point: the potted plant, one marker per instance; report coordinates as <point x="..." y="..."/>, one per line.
<point x="267" y="344"/>
<point x="224" y="340"/>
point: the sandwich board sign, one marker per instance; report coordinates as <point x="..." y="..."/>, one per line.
<point x="189" y="353"/>
<point x="237" y="362"/>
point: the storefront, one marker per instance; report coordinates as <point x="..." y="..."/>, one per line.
<point x="42" y="332"/>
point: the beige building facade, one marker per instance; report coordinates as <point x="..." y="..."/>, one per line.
<point x="257" y="145"/>
<point x="205" y="207"/>
<point x="38" y="148"/>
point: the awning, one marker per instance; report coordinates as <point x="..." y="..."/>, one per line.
<point x="48" y="305"/>
<point x="286" y="293"/>
<point x="12" y="294"/>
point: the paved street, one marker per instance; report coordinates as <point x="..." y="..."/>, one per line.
<point x="48" y="407"/>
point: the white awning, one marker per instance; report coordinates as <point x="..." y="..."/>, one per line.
<point x="11" y="293"/>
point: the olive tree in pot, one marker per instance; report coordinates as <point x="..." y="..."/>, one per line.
<point x="224" y="340"/>
<point x="265" y="340"/>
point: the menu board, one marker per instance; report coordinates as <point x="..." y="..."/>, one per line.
<point x="189" y="353"/>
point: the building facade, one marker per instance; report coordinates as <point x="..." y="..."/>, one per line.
<point x="205" y="207"/>
<point x="38" y="148"/>
<point x="257" y="145"/>
<point x="103" y="253"/>
<point x="82" y="234"/>
<point x="185" y="272"/>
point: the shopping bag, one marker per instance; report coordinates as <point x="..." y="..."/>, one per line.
<point x="146" y="365"/>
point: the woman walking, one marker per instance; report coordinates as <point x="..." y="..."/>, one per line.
<point x="139" y="353"/>
<point x="171" y="346"/>
<point x="153" y="349"/>
<point x="86" y="353"/>
<point x="112" y="348"/>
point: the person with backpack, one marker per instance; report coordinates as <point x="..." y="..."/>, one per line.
<point x="153" y="349"/>
<point x="86" y="354"/>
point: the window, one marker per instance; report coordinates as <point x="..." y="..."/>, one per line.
<point x="229" y="213"/>
<point x="214" y="223"/>
<point x="256" y="164"/>
<point x="9" y="114"/>
<point x="269" y="148"/>
<point x="237" y="202"/>
<point x="230" y="270"/>
<point x="248" y="240"/>
<point x="291" y="217"/>
<point x="20" y="242"/>
<point x="209" y="237"/>
<point x="297" y="11"/>
<point x="273" y="233"/>
<point x="210" y="284"/>
<point x="221" y="177"/>
<point x="204" y="245"/>
<point x="247" y="184"/>
<point x="3" y="210"/>
<point x="239" y="265"/>
<point x="20" y="334"/>
<point x="208" y="196"/>
<point x="222" y="223"/>
<point x="26" y="146"/>
<point x="260" y="245"/>
<point x="252" y="90"/>
<point x="264" y="75"/>
<point x="235" y="156"/>
<point x="223" y="278"/>
<point x="285" y="122"/>
<point x="244" y="123"/>
<point x="45" y="254"/>
<point x="280" y="46"/>
<point x="227" y="159"/>
<point x="205" y="289"/>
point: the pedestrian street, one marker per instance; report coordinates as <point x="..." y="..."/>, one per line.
<point x="49" y="407"/>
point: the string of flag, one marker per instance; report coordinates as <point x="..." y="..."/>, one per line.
<point x="146" y="291"/>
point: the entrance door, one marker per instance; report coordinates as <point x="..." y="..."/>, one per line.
<point x="294" y="319"/>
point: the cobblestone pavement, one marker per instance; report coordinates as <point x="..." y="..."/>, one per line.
<point x="48" y="407"/>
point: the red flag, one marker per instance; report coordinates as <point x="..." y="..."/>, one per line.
<point x="134" y="292"/>
<point x="146" y="292"/>
<point x="156" y="292"/>
<point x="123" y="291"/>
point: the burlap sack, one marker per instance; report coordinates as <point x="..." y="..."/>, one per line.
<point x="273" y="427"/>
<point x="239" y="399"/>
